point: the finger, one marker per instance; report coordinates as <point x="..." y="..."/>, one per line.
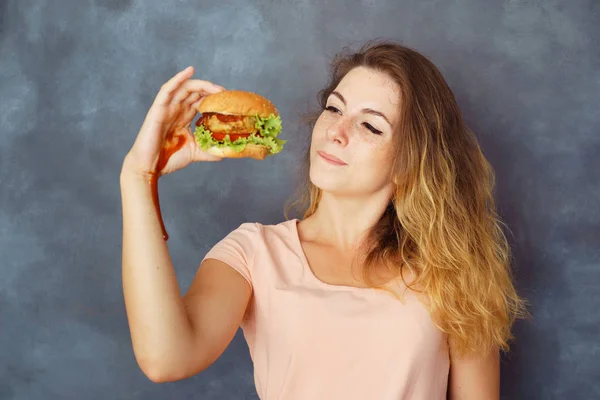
<point x="213" y="158"/>
<point x="184" y="93"/>
<point x="191" y="99"/>
<point x="186" y="102"/>
<point x="196" y="104"/>
<point x="193" y="109"/>
<point x="205" y="87"/>
<point x="197" y="154"/>
<point x="195" y="86"/>
<point x="189" y="111"/>
<point x="201" y="155"/>
<point x="167" y="89"/>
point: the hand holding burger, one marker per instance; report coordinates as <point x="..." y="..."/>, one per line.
<point x="238" y="124"/>
<point x="234" y="124"/>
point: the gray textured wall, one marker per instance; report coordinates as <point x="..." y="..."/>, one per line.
<point x="76" y="78"/>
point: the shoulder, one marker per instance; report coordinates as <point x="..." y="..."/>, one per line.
<point x="257" y="232"/>
<point x="282" y="228"/>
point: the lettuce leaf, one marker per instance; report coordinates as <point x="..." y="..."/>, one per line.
<point x="268" y="127"/>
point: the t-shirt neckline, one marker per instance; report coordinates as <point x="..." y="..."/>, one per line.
<point x="308" y="270"/>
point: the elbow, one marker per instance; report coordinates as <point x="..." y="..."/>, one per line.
<point x="159" y="378"/>
<point x="171" y="366"/>
<point x="161" y="372"/>
<point x="158" y="374"/>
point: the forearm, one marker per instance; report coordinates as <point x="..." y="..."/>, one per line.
<point x="160" y="329"/>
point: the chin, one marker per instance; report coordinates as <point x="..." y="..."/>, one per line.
<point x="329" y="181"/>
<point x="347" y="183"/>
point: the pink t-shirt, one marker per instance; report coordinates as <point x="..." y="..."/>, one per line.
<point x="310" y="340"/>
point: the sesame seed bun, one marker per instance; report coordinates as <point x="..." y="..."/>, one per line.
<point x="237" y="102"/>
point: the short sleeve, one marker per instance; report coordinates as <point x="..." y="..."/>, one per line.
<point x="237" y="249"/>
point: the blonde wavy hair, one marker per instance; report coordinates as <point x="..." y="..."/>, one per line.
<point x="441" y="224"/>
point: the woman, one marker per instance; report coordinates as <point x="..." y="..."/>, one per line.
<point x="395" y="284"/>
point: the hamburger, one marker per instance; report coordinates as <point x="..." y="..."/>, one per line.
<point x="238" y="124"/>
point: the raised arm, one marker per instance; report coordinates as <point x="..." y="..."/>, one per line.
<point x="173" y="337"/>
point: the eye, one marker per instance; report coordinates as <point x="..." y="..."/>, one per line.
<point x="332" y="109"/>
<point x="370" y="127"/>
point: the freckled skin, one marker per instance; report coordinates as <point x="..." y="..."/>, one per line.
<point x="344" y="132"/>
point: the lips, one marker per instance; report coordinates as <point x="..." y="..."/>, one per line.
<point x="331" y="158"/>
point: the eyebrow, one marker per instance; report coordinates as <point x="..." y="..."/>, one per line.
<point x="366" y="110"/>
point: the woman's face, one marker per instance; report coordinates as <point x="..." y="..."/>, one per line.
<point x="356" y="127"/>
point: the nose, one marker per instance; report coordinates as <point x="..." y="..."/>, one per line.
<point x="339" y="130"/>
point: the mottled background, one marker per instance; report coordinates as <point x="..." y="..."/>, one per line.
<point x="77" y="77"/>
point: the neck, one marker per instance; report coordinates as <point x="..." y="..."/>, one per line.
<point x="342" y="222"/>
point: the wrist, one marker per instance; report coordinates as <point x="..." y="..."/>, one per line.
<point x="129" y="171"/>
